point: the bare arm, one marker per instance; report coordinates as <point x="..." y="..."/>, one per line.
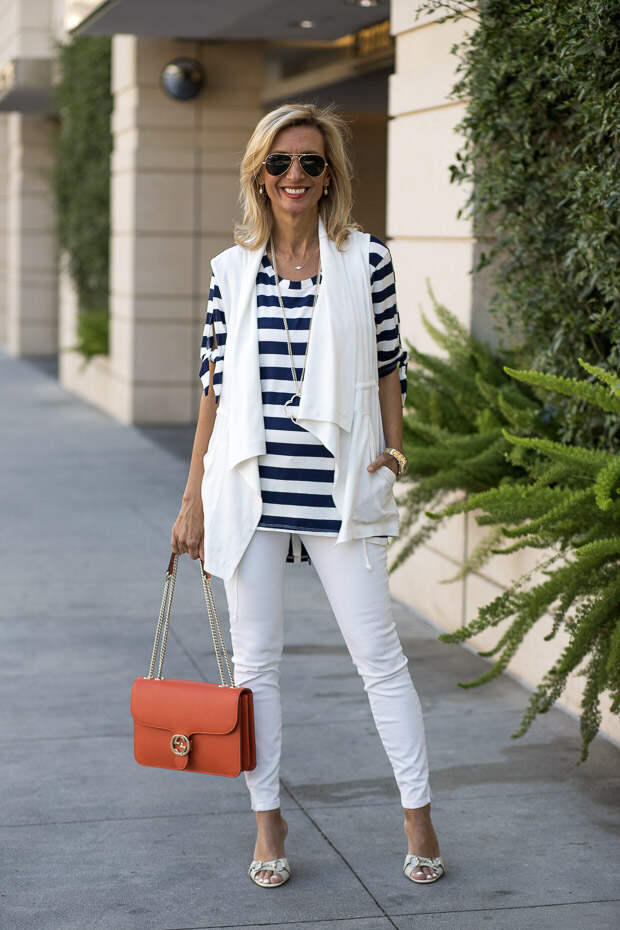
<point x="188" y="531"/>
<point x="204" y="428"/>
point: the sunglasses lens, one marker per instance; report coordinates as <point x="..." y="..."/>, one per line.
<point x="312" y="164"/>
<point x="277" y="164"/>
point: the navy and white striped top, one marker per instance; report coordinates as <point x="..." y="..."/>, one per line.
<point x="297" y="471"/>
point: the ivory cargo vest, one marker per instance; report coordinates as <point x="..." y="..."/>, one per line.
<point x="339" y="403"/>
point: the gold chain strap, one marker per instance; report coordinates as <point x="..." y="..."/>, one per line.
<point x="163" y="624"/>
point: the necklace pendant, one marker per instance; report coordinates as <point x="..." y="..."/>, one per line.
<point x="291" y="410"/>
<point x="298" y="267"/>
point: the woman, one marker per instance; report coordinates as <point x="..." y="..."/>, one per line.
<point x="301" y="359"/>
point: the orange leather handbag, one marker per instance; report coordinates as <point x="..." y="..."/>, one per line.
<point x="192" y="726"/>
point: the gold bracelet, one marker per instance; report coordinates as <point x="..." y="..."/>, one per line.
<point x="401" y="458"/>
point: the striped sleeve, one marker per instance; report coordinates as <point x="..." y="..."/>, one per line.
<point x="213" y="341"/>
<point x="390" y="353"/>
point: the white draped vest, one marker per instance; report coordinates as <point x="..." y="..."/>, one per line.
<point x="339" y="403"/>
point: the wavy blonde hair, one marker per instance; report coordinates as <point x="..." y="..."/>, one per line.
<point x="335" y="209"/>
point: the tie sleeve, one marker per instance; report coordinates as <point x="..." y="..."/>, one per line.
<point x="213" y="341"/>
<point x="390" y="352"/>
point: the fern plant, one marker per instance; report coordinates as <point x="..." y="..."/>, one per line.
<point x="456" y="411"/>
<point x="570" y="506"/>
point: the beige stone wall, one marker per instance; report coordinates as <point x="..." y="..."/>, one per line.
<point x="28" y="308"/>
<point x="174" y="187"/>
<point x="31" y="303"/>
<point x="427" y="240"/>
<point x="4" y="182"/>
<point x="25" y="29"/>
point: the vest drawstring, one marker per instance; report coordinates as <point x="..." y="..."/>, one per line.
<point x="368" y="565"/>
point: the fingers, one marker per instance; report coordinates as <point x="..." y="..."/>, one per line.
<point x="193" y="547"/>
<point x="181" y="541"/>
<point x="194" y="552"/>
<point x="384" y="459"/>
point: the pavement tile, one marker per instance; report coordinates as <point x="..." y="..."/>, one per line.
<point x="97" y="778"/>
<point x="531" y="853"/>
<point x="171" y="872"/>
<point x="357" y="923"/>
<point x="599" y="915"/>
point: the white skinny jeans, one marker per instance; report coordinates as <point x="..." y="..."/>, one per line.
<point x="355" y="578"/>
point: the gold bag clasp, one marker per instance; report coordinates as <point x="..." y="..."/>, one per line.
<point x="180" y="744"/>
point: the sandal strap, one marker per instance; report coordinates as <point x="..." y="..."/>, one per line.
<point x="433" y="862"/>
<point x="274" y="865"/>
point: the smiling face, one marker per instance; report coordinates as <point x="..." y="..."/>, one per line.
<point x="294" y="192"/>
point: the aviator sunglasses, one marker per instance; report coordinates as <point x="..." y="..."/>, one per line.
<point x="279" y="162"/>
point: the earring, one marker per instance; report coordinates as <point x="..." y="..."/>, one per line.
<point x="325" y="191"/>
<point x="261" y="189"/>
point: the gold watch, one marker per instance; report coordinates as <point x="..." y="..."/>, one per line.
<point x="401" y="458"/>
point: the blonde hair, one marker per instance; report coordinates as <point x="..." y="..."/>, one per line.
<point x="334" y="209"/>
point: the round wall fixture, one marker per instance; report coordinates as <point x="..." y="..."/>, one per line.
<point x="182" y="78"/>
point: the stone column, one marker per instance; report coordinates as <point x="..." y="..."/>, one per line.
<point x="174" y="187"/>
<point x="27" y="224"/>
<point x="31" y="316"/>
<point x="428" y="241"/>
<point x="4" y="179"/>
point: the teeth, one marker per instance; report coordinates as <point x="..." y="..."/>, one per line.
<point x="295" y="190"/>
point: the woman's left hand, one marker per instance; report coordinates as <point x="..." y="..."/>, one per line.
<point x="384" y="459"/>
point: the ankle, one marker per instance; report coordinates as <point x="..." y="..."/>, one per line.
<point x="270" y="824"/>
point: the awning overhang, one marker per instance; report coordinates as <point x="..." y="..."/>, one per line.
<point x="236" y="20"/>
<point x="26" y="86"/>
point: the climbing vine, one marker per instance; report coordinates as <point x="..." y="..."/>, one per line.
<point x="81" y="180"/>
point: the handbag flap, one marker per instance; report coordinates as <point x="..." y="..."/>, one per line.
<point x="185" y="706"/>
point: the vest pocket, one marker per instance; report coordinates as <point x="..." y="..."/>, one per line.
<point x="374" y="498"/>
<point x="388" y="474"/>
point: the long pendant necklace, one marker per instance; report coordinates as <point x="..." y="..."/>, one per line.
<point x="298" y="383"/>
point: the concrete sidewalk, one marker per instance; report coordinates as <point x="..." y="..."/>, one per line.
<point x="93" y="840"/>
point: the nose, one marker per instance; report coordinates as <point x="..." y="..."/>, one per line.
<point x="295" y="171"/>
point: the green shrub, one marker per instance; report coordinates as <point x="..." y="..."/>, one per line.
<point x="542" y="136"/>
<point x="81" y="180"/>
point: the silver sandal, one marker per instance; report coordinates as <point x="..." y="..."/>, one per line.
<point x="434" y="862"/>
<point x="279" y="866"/>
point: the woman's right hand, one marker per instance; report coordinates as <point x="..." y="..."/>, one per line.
<point x="188" y="530"/>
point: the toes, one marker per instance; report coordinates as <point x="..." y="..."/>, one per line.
<point x="266" y="875"/>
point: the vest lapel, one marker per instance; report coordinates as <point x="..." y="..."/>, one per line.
<point x="242" y="387"/>
<point x="335" y="352"/>
<point x="327" y="396"/>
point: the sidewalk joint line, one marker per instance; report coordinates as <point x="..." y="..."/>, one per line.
<point x="509" y="907"/>
<point x="280" y="923"/>
<point x="337" y="851"/>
